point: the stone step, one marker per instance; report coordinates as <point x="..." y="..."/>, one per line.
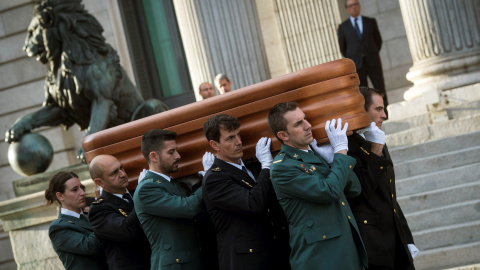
<point x="440" y="146"/>
<point x="466" y="211"/>
<point x="438" y="162"/>
<point x="466" y="267"/>
<point x="435" y="131"/>
<point x="457" y="234"/>
<point x="440" y="197"/>
<point x="438" y="179"/>
<point x="448" y="257"/>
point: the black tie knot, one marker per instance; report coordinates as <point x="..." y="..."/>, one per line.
<point x="128" y="197"/>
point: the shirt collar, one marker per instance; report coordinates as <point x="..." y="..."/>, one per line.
<point x="121" y="195"/>
<point x="352" y="19"/>
<point x="239" y="166"/>
<point x="162" y="175"/>
<point x="69" y="213"/>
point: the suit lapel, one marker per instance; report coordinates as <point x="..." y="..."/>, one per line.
<point x="351" y="30"/>
<point x="120" y="203"/>
<point x="238" y="175"/>
<point x="78" y="222"/>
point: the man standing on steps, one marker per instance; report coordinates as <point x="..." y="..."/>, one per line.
<point x="360" y="40"/>
<point x="380" y="219"/>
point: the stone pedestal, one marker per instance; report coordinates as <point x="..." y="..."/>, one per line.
<point x="27" y="219"/>
<point x="444" y="40"/>
<point x="222" y="37"/>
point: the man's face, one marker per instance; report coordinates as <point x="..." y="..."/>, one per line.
<point x="206" y="90"/>
<point x="168" y="157"/>
<point x="223" y="85"/>
<point x="229" y="148"/>
<point x="299" y="130"/>
<point x="353" y="8"/>
<point x="115" y="180"/>
<point x="376" y="110"/>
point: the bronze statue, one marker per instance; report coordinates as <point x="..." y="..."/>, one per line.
<point x="85" y="83"/>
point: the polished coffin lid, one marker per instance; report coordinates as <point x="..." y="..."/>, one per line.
<point x="323" y="92"/>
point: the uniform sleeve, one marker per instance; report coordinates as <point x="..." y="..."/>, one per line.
<point x="229" y="195"/>
<point x="369" y="166"/>
<point x="324" y="186"/>
<point x="403" y="220"/>
<point x="72" y="241"/>
<point x="108" y="223"/>
<point x="157" y="201"/>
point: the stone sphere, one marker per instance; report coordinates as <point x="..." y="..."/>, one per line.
<point x="32" y="154"/>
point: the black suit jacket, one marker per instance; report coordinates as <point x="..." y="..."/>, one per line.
<point x="368" y="47"/>
<point x="251" y="228"/>
<point x="380" y="219"/>
<point x="118" y="229"/>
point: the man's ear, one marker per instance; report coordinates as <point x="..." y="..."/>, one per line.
<point x="99" y="182"/>
<point x="214" y="145"/>
<point x="153" y="157"/>
<point x="283" y="135"/>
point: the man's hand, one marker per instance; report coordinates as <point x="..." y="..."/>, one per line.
<point x="373" y="134"/>
<point x="337" y="135"/>
<point x="325" y="151"/>
<point x="207" y="162"/>
<point x="263" y="152"/>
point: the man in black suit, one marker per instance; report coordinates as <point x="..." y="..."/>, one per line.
<point x="360" y="40"/>
<point x="251" y="227"/>
<point x="113" y="217"/>
<point x="380" y="220"/>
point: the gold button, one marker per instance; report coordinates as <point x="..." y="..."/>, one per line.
<point x="283" y="228"/>
<point x="343" y="203"/>
<point x="268" y="210"/>
<point x="392" y="196"/>
<point x="349" y="217"/>
<point x="178" y="260"/>
<point x="251" y="250"/>
<point x="381" y="167"/>
<point x="324" y="236"/>
<point x="365" y="221"/>
<point x="390" y="180"/>
<point x="394" y="210"/>
<point x="350" y="166"/>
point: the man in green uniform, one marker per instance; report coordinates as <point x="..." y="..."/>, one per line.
<point x="166" y="214"/>
<point x="312" y="193"/>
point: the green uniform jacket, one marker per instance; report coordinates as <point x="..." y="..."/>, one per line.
<point x="75" y="243"/>
<point x="166" y="216"/>
<point x="323" y="231"/>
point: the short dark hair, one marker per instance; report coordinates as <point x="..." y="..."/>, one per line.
<point x="57" y="184"/>
<point x="275" y="119"/>
<point x="367" y="93"/>
<point x="154" y="140"/>
<point x="212" y="127"/>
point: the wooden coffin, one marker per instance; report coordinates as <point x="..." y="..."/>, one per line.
<point x="323" y="92"/>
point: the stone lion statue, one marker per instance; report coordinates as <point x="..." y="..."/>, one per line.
<point x="85" y="83"/>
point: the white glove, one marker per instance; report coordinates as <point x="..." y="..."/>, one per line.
<point x="263" y="152"/>
<point x="337" y="135"/>
<point x="141" y="176"/>
<point x="207" y="162"/>
<point x="373" y="134"/>
<point x="325" y="151"/>
<point x="413" y="250"/>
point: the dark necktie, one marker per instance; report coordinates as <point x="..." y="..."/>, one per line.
<point x="244" y="169"/>
<point x="357" y="29"/>
<point x="128" y="197"/>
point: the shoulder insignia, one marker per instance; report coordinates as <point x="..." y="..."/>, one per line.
<point x="98" y="201"/>
<point x="70" y="221"/>
<point x="158" y="181"/>
<point x="216" y="169"/>
<point x="295" y="155"/>
<point x="246" y="183"/>
<point x="277" y="161"/>
<point x="366" y="152"/>
<point x="123" y="212"/>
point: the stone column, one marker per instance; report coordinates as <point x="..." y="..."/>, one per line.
<point x="309" y="31"/>
<point x="444" y="40"/>
<point x="222" y="37"/>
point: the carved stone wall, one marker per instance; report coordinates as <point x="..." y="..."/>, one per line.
<point x="222" y="37"/>
<point x="309" y="31"/>
<point x="444" y="40"/>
